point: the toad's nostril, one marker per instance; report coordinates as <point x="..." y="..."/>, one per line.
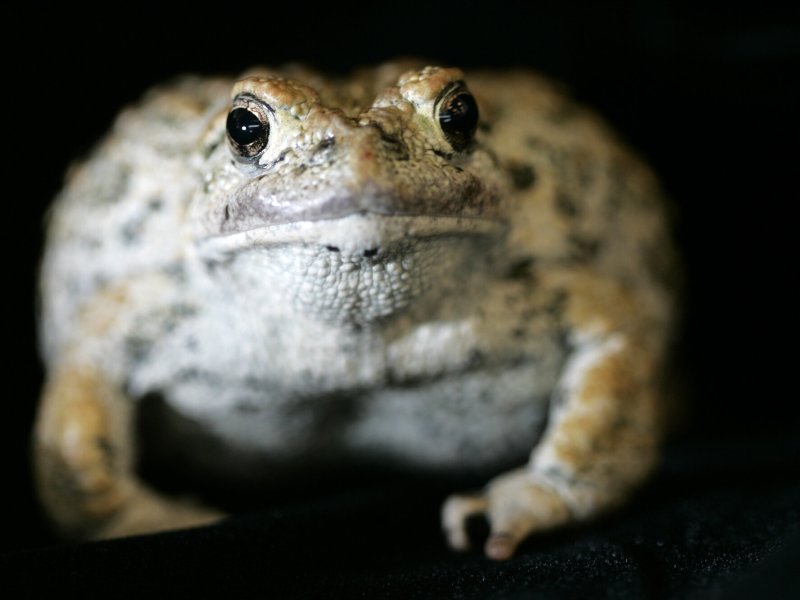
<point x="370" y="253"/>
<point x="332" y="248"/>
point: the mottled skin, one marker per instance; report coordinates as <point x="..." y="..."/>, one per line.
<point x="362" y="289"/>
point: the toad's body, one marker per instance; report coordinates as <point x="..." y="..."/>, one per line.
<point x="311" y="271"/>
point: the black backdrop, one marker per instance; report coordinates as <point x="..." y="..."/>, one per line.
<point x="708" y="95"/>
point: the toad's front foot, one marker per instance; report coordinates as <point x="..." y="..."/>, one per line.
<point x="150" y="512"/>
<point x="84" y="464"/>
<point x="516" y="504"/>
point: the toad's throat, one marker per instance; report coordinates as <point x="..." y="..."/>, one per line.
<point x="360" y="285"/>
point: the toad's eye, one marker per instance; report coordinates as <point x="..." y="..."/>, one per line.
<point x="248" y="128"/>
<point x="457" y="113"/>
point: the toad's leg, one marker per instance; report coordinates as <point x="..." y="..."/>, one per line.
<point x="84" y="452"/>
<point x="604" y="425"/>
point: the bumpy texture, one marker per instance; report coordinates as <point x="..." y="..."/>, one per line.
<point x="340" y="273"/>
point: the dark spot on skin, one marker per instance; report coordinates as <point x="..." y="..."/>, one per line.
<point x="519" y="361"/>
<point x="260" y="384"/>
<point x="443" y="154"/>
<point x="521" y="268"/>
<point x="155" y="204"/>
<point x="196" y="375"/>
<point x="395" y="146"/>
<point x="511" y="301"/>
<point x="583" y="248"/>
<point x="182" y="311"/>
<point x="559" y="158"/>
<point x="370" y="253"/>
<point x="476" y="357"/>
<point x="332" y="248"/>
<point x="612" y="205"/>
<point x="163" y="321"/>
<point x="131" y="232"/>
<point x="91" y="243"/>
<point x="227" y="215"/>
<point x="484" y="127"/>
<point x="247" y="408"/>
<point x="175" y="271"/>
<point x="564" y="341"/>
<point x="558" y="397"/>
<point x="522" y="175"/>
<point x="585" y="170"/>
<point x="105" y="446"/>
<point x="136" y="349"/>
<point x="518" y="332"/>
<point x="211" y="147"/>
<point x="532" y="142"/>
<point x="112" y="187"/>
<point x="281" y="157"/>
<point x="557" y="303"/>
<point x="328" y="142"/>
<point x="566" y="205"/>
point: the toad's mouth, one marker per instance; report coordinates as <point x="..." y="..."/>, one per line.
<point x="357" y="235"/>
<point x="357" y="270"/>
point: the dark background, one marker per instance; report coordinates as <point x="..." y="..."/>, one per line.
<point x="709" y="95"/>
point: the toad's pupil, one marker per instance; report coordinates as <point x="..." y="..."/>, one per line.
<point x="244" y="127"/>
